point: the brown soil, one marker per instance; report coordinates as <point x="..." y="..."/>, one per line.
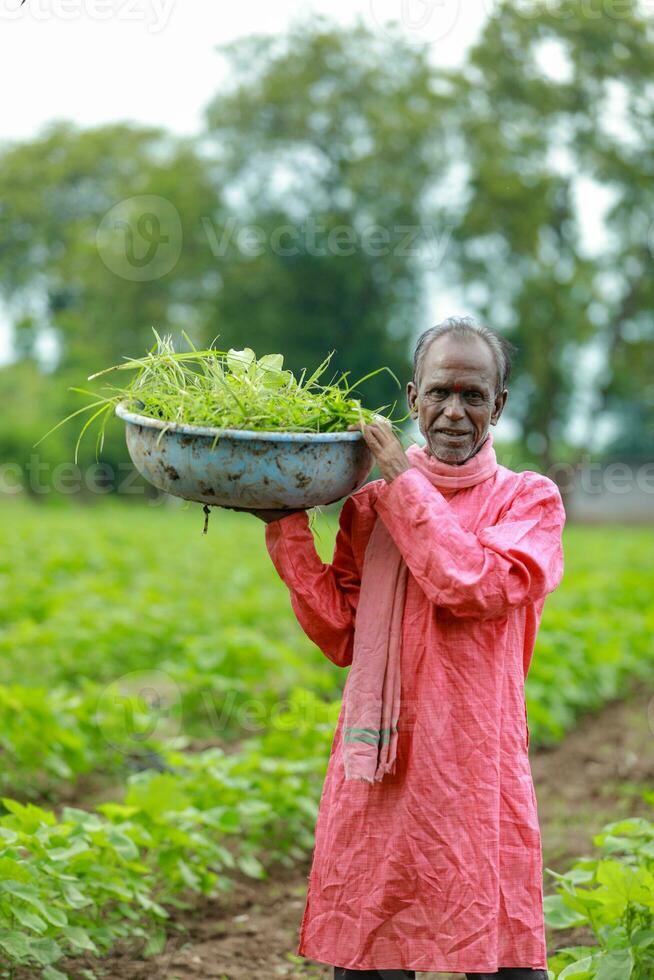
<point x="592" y="778"/>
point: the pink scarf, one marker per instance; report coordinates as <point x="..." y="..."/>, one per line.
<point x="372" y="690"/>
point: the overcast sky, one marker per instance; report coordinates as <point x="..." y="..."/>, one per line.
<point x="154" y="61"/>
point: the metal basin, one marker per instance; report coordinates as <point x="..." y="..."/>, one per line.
<point x="276" y="470"/>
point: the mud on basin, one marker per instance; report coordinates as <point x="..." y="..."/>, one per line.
<point x="246" y="468"/>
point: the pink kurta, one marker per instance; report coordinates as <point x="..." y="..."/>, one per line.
<point x="438" y="867"/>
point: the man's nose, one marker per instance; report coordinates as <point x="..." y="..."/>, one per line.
<point x="453" y="408"/>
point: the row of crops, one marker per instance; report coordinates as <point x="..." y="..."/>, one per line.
<point x="133" y="647"/>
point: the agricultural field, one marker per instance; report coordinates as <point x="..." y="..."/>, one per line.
<point x="165" y="724"/>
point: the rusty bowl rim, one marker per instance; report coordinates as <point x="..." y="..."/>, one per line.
<point x="243" y="434"/>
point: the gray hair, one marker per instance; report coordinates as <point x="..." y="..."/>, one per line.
<point x="466" y="328"/>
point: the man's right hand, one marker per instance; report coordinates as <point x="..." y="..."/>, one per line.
<point x="267" y="515"/>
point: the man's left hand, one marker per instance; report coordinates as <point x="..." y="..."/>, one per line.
<point x="385" y="446"/>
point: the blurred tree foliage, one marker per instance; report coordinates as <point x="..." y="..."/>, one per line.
<point x="54" y="192"/>
<point x="328" y="161"/>
<point x="328" y="142"/>
<point x="554" y="112"/>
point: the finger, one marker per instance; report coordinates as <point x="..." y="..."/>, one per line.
<point x="380" y="424"/>
<point x="371" y="436"/>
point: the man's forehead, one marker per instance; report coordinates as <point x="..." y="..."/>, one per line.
<point x="457" y="376"/>
<point x="459" y="362"/>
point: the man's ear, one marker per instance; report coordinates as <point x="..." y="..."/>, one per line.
<point x="411" y="397"/>
<point x="500" y="402"/>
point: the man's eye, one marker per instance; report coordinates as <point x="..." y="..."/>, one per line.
<point x="474" y="394"/>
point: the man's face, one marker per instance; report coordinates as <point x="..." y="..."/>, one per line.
<point x="455" y="391"/>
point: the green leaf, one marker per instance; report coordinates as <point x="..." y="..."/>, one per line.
<point x="29" y="919"/>
<point x="272" y="362"/>
<point x="117" y="811"/>
<point x="581" y="970"/>
<point x="155" y="944"/>
<point x="30" y="817"/>
<point x="229" y="822"/>
<point x="57" y="917"/>
<point x="188" y="875"/>
<point x="74" y="897"/>
<point x="559" y="915"/>
<point x="158" y="795"/>
<point x="250" y="866"/>
<point x="123" y="844"/>
<point x="152" y="906"/>
<point x="12" y="869"/>
<point x="14" y="943"/>
<point x="642" y="937"/>
<point x="239" y="361"/>
<point x="79" y="938"/>
<point x="269" y="370"/>
<point x="615" y="964"/>
<point x="66" y="853"/>
<point x="27" y="893"/>
<point x="44" y="951"/>
<point x="50" y="973"/>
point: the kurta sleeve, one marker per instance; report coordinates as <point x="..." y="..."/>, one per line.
<point x="324" y="597"/>
<point x="484" y="575"/>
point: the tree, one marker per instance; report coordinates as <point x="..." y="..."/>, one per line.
<point x="326" y="142"/>
<point x="536" y="107"/>
<point x="332" y="162"/>
<point x="79" y="213"/>
<point x="73" y="205"/>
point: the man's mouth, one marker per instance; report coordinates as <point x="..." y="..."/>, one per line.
<point x="452" y="433"/>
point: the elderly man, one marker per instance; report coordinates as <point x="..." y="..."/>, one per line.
<point x="427" y="848"/>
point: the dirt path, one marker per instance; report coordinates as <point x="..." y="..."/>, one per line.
<point x="592" y="778"/>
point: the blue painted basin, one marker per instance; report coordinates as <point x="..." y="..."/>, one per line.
<point x="262" y="470"/>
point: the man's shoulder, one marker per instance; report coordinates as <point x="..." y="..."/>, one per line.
<point x="526" y="479"/>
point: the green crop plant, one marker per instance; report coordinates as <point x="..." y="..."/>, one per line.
<point x="89" y="598"/>
<point x="226" y="390"/>
<point x="612" y="894"/>
<point x="77" y="882"/>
